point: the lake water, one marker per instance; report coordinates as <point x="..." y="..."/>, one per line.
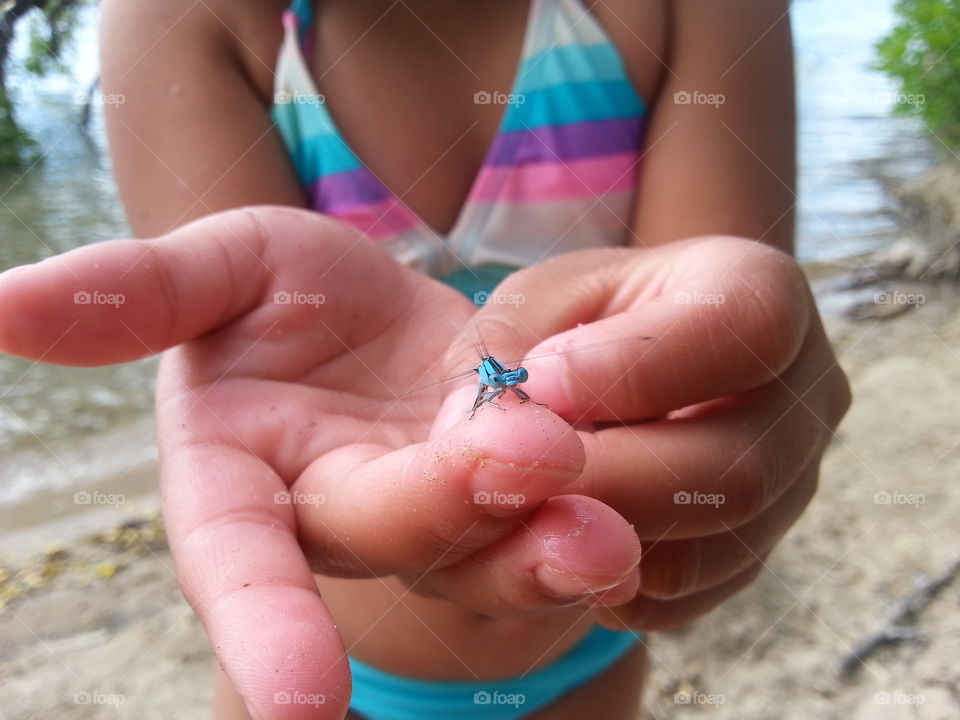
<point x="845" y="121"/>
<point x="55" y="422"/>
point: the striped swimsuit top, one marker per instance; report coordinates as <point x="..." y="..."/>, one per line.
<point x="561" y="173"/>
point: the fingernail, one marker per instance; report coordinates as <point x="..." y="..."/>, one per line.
<point x="251" y="711"/>
<point x="566" y="584"/>
<point x="622" y="592"/>
<point x="663" y="580"/>
<point x="506" y="488"/>
<point x="496" y="490"/>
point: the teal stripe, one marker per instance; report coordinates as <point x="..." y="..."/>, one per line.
<point x="329" y="152"/>
<point x="477" y="283"/>
<point x="382" y="695"/>
<point x="286" y="123"/>
<point x="574" y="102"/>
<point x="312" y="152"/>
<point x="307" y="118"/>
<point x="303" y="9"/>
<point x="570" y="64"/>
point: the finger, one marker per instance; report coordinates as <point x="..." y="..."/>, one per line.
<point x="432" y="503"/>
<point x="651" y="615"/>
<point x="116" y="301"/>
<point x="243" y="572"/>
<point x="727" y="315"/>
<point x="722" y="462"/>
<point x="573" y="549"/>
<point x="675" y="569"/>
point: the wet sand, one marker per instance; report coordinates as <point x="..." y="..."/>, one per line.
<point x="98" y="629"/>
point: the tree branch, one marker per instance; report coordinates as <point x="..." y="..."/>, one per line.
<point x="896" y="630"/>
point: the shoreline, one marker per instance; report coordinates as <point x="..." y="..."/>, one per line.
<point x="111" y="479"/>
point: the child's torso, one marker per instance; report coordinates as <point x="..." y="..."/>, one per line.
<point x="402" y="149"/>
<point x="639" y="31"/>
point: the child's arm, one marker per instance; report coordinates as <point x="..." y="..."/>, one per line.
<point x="720" y="153"/>
<point x="193" y="134"/>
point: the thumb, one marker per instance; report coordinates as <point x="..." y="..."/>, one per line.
<point x="679" y="325"/>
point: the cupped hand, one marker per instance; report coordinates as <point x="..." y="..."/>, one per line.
<point x="708" y="436"/>
<point x="288" y="444"/>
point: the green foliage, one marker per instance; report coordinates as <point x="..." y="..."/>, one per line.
<point x="50" y="30"/>
<point x="923" y="53"/>
<point x="17" y="148"/>
<point x="51" y="25"/>
<point x="38" y="59"/>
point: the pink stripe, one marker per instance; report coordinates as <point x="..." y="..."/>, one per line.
<point x="557" y="181"/>
<point x="380" y="220"/>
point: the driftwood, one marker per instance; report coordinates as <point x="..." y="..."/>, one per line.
<point x="902" y="274"/>
<point x="927" y="209"/>
<point x="88" y="103"/>
<point x="896" y="630"/>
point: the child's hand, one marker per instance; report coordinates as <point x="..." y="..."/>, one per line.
<point x="740" y="387"/>
<point x="290" y="327"/>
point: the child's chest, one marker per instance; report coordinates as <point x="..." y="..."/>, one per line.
<point x="419" y="91"/>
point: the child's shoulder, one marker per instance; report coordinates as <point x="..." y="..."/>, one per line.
<point x="247" y="32"/>
<point x="640" y="31"/>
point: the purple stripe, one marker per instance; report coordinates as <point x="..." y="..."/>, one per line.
<point x="345" y="191"/>
<point x="567" y="142"/>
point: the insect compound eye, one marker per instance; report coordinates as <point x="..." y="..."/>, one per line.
<point x="496" y="378"/>
<point x="522" y="375"/>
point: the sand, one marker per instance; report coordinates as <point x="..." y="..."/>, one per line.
<point x="100" y="630"/>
